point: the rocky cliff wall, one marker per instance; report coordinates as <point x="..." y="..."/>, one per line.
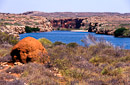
<point x="91" y="24"/>
<point x="67" y="23"/>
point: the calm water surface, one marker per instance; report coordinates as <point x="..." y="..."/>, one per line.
<point x="67" y="37"/>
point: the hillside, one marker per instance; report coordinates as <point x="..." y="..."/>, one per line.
<point x="73" y="14"/>
<point x="101" y="23"/>
<point x="15" y="24"/>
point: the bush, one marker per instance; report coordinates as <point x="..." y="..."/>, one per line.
<point x="58" y="43"/>
<point x="73" y="45"/>
<point x="91" y="40"/>
<point x="45" y="42"/>
<point x="29" y="29"/>
<point x="8" y="39"/>
<point x="104" y="71"/>
<point x="119" y="32"/>
<point x="126" y="33"/>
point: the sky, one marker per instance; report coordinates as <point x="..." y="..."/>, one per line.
<point x="20" y="6"/>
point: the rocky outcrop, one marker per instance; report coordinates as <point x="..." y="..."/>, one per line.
<point x="17" y="23"/>
<point x="29" y="50"/>
<point x="67" y="23"/>
<point x="46" y="26"/>
<point x="9" y="31"/>
<point x="19" y="29"/>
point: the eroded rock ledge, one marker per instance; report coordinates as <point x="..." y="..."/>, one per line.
<point x="14" y="24"/>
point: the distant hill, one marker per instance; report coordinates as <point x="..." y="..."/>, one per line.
<point x="73" y="14"/>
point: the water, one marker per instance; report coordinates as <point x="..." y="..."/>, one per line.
<point x="67" y="37"/>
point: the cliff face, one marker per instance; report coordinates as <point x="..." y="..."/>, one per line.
<point x="97" y="24"/>
<point x="67" y="23"/>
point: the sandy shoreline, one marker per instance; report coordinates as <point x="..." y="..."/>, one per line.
<point x="79" y="30"/>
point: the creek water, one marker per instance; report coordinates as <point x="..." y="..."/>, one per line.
<point x="68" y="36"/>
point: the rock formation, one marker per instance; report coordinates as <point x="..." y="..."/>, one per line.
<point x="102" y="23"/>
<point x="17" y="23"/>
<point x="29" y="50"/>
<point x="67" y="23"/>
<point x="9" y="31"/>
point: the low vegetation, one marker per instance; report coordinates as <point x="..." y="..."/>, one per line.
<point x="45" y="42"/>
<point x="122" y="32"/>
<point x="7" y="39"/>
<point x="30" y="29"/>
<point x="97" y="63"/>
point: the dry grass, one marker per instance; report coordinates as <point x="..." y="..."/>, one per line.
<point x="97" y="64"/>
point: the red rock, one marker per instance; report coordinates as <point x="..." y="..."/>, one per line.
<point x="29" y="50"/>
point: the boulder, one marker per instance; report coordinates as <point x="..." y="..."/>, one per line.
<point x="29" y="50"/>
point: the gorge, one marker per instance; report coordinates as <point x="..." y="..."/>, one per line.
<point x="100" y="23"/>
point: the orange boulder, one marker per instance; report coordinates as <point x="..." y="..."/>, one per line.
<point x="29" y="50"/>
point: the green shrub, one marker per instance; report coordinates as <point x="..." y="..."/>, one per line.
<point x="104" y="71"/>
<point x="116" y="71"/>
<point x="58" y="43"/>
<point x="119" y="32"/>
<point x="126" y="33"/>
<point x="8" y="39"/>
<point x="58" y="28"/>
<point x="111" y="72"/>
<point x="45" y="42"/>
<point x="29" y="29"/>
<point x="73" y="45"/>
<point x="96" y="60"/>
<point x="3" y="52"/>
<point x="125" y="58"/>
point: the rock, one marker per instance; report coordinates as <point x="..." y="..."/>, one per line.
<point x="67" y="22"/>
<point x="29" y="50"/>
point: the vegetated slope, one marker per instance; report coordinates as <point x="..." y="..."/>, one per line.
<point x="16" y="24"/>
<point x="73" y="14"/>
<point x="97" y="64"/>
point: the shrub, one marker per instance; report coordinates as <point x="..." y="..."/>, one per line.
<point x="58" y="29"/>
<point x="29" y="29"/>
<point x="126" y="33"/>
<point x="91" y="40"/>
<point x="96" y="60"/>
<point x="125" y="58"/>
<point x="8" y="39"/>
<point x="58" y="43"/>
<point x="104" y="71"/>
<point x="119" y="32"/>
<point x="3" y="52"/>
<point x="38" y="74"/>
<point x="6" y="57"/>
<point x="111" y="72"/>
<point x="73" y="45"/>
<point x="45" y="42"/>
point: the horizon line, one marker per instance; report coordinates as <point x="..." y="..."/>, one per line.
<point x="67" y="12"/>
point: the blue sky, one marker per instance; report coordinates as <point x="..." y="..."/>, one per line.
<point x="20" y="6"/>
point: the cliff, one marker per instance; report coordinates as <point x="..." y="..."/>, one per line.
<point x="67" y="23"/>
<point x="97" y="24"/>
